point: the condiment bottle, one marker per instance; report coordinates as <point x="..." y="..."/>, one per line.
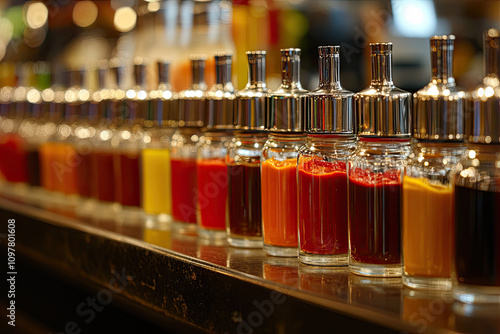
<point x="285" y="123"/>
<point x="184" y="148"/>
<point x="322" y="171"/>
<point x="438" y="132"/>
<point x="110" y="100"/>
<point x="212" y="150"/>
<point x="244" y="222"/>
<point x="155" y="157"/>
<point x="127" y="144"/>
<point x="375" y="170"/>
<point x="476" y="275"/>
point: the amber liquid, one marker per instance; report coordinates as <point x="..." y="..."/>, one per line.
<point x="244" y="200"/>
<point x="83" y="174"/>
<point x="103" y="179"/>
<point x="33" y="168"/>
<point x="477" y="233"/>
<point x="127" y="181"/>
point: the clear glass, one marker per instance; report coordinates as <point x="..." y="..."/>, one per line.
<point x="127" y="144"/>
<point x="156" y="176"/>
<point x="212" y="184"/>
<point x="322" y="201"/>
<point x="375" y="187"/>
<point x="183" y="156"/>
<point x="427" y="214"/>
<point x="476" y="272"/>
<point x="279" y="193"/>
<point x="244" y="221"/>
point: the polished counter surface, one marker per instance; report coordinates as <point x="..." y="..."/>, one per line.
<point x="191" y="284"/>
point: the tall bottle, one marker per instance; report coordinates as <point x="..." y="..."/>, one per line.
<point x="438" y="132"/>
<point x="59" y="155"/>
<point x="285" y="123"/>
<point x="322" y="171"/>
<point x="212" y="151"/>
<point x="110" y="101"/>
<point x="476" y="275"/>
<point x="184" y="148"/>
<point x="127" y="144"/>
<point x="155" y="157"/>
<point x="244" y="221"/>
<point x="376" y="170"/>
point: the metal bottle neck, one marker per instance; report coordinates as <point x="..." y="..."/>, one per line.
<point x="492" y="53"/>
<point x="381" y="63"/>
<point x="257" y="68"/>
<point x="290" y="69"/>
<point x="442" y="59"/>
<point x="223" y="69"/>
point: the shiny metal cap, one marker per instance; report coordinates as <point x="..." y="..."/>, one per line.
<point x="192" y="100"/>
<point x="251" y="101"/>
<point x="140" y="72"/>
<point x="220" y="98"/>
<point x="483" y="111"/>
<point x="331" y="108"/>
<point x="287" y="105"/>
<point x="382" y="109"/>
<point x="163" y="109"/>
<point x="439" y="107"/>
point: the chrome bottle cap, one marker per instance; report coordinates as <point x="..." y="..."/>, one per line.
<point x="140" y="73"/>
<point x="287" y="105"/>
<point x="483" y="112"/>
<point x="163" y="109"/>
<point x="251" y="101"/>
<point x="192" y="100"/>
<point x="439" y="107"/>
<point x="220" y="98"/>
<point x="331" y="108"/>
<point x="383" y="110"/>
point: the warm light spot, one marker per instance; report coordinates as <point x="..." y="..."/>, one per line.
<point x="37" y="15"/>
<point x="125" y="19"/>
<point x="85" y="13"/>
<point x="154" y="6"/>
<point x="472" y="154"/>
<point x="488" y="92"/>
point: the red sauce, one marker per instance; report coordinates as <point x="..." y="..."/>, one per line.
<point x="83" y="174"/>
<point x="13" y="158"/>
<point x="103" y="181"/>
<point x="323" y="207"/>
<point x="184" y="190"/>
<point x="375" y="201"/>
<point x="127" y="181"/>
<point x="212" y="193"/>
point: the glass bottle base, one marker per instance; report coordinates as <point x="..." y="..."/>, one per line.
<point x="130" y="215"/>
<point x="184" y="228"/>
<point x="474" y="294"/>
<point x="334" y="260"/>
<point x="86" y="207"/>
<point x="427" y="283"/>
<point x="375" y="270"/>
<point x="281" y="251"/>
<point x="242" y="242"/>
<point x="160" y="220"/>
<point x="211" y="234"/>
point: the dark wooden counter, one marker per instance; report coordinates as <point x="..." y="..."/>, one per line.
<point x="164" y="281"/>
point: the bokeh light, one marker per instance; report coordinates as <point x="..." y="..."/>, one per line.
<point x="85" y="13"/>
<point x="125" y="19"/>
<point x="37" y="15"/>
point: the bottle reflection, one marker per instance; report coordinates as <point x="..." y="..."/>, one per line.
<point x="331" y="282"/>
<point x="282" y="270"/>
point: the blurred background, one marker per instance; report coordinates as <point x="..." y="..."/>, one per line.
<point x="37" y="36"/>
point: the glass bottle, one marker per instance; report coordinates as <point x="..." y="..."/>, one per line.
<point x="12" y="145"/>
<point x="244" y="221"/>
<point x="375" y="171"/>
<point x="59" y="160"/>
<point x="438" y="132"/>
<point x="110" y="101"/>
<point x="476" y="274"/>
<point x="184" y="149"/>
<point x="322" y="171"/>
<point x="155" y="157"/>
<point x="127" y="144"/>
<point x="212" y="150"/>
<point x="285" y="121"/>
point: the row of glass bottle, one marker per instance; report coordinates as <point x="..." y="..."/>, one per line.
<point x="256" y="165"/>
